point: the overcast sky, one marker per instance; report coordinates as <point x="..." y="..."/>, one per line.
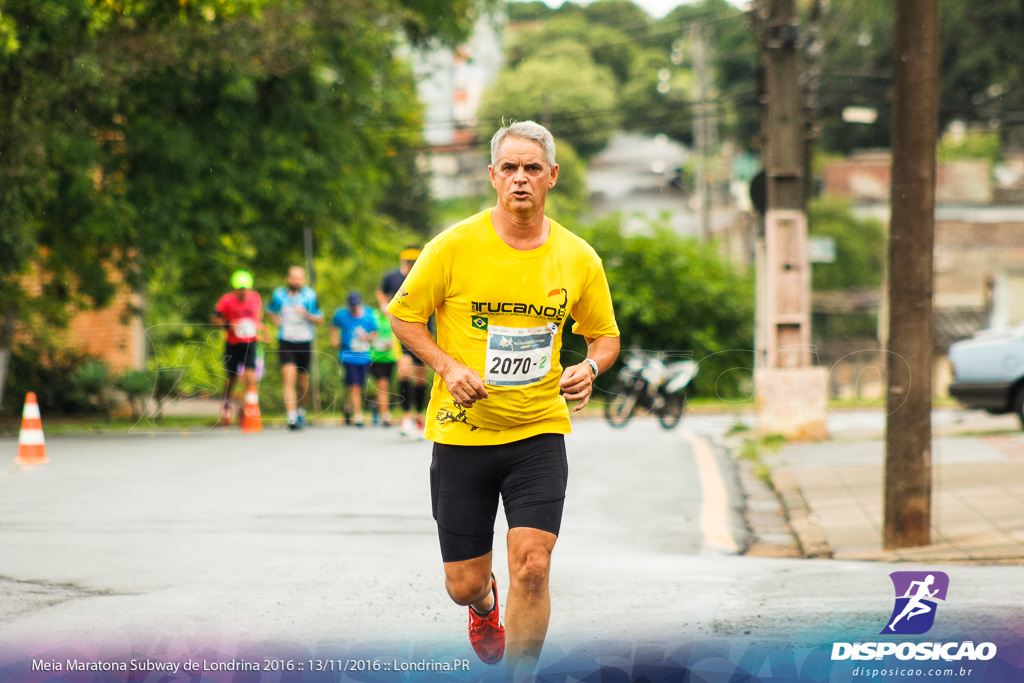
<point x="656" y="8"/>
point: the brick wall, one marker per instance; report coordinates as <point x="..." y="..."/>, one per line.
<point x="866" y="177"/>
<point x="114" y="333"/>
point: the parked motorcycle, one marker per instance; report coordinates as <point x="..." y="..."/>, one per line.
<point x="646" y="381"/>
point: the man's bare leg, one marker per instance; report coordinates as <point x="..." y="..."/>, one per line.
<point x="288" y="374"/>
<point x="528" y="607"/>
<point x="469" y="583"/>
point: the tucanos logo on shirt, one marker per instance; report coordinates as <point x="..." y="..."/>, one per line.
<point x="549" y="312"/>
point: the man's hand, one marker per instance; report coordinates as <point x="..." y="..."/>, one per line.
<point x="577" y="383"/>
<point x="464" y="384"/>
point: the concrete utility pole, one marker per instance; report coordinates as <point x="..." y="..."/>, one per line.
<point x="791" y="392"/>
<point x="915" y="116"/>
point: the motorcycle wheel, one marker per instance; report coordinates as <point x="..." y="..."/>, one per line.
<point x="672" y="412"/>
<point x="621" y="407"/>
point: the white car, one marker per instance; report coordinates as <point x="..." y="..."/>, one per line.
<point x="988" y="371"/>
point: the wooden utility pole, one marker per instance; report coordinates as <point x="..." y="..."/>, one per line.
<point x="915" y="116"/>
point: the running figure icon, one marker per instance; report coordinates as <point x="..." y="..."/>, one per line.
<point x="915" y="605"/>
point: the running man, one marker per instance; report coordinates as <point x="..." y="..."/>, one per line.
<point x="353" y="330"/>
<point x="383" y="357"/>
<point x="412" y="374"/>
<point x="915" y="605"/>
<point x="502" y="284"/>
<point x="294" y="310"/>
<point x="240" y="312"/>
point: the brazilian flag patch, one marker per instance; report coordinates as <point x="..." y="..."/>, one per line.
<point x="479" y="322"/>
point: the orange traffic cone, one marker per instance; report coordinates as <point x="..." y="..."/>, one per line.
<point x="31" y="444"/>
<point x="251" y="421"/>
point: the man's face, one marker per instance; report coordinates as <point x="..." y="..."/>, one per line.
<point x="296" y="278"/>
<point x="522" y="177"/>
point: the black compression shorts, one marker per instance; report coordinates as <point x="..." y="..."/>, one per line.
<point x="295" y="353"/>
<point x="466" y="481"/>
<point x="239" y="356"/>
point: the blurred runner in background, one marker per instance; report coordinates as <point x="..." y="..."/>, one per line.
<point x="412" y="373"/>
<point x="383" y="357"/>
<point x="353" y="330"/>
<point x="240" y="312"/>
<point x="294" y="310"/>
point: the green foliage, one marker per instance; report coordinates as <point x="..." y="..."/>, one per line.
<point x="676" y="295"/>
<point x="569" y="196"/>
<point x="652" y="112"/>
<point x="981" y="66"/>
<point x="93" y="382"/>
<point x="733" y="48"/>
<point x="49" y="372"/>
<point x="860" y="246"/>
<point x="984" y="146"/>
<point x="563" y="90"/>
<point x="527" y="11"/>
<point x="138" y="386"/>
<point x="982" y="60"/>
<point x="180" y="141"/>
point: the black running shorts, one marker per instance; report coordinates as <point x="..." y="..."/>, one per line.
<point x="466" y="481"/>
<point x="295" y="353"/>
<point x="239" y="356"/>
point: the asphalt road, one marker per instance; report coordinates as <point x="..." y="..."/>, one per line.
<point x="325" y="536"/>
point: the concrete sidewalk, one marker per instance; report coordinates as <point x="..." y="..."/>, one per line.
<point x="833" y="493"/>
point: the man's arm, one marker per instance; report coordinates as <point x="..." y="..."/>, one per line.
<point x="464" y="384"/>
<point x="383" y="300"/>
<point x="577" y="381"/>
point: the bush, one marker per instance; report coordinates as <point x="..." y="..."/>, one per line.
<point x="138" y="386"/>
<point x="676" y="295"/>
<point x="92" y="381"/>
<point x="49" y="373"/>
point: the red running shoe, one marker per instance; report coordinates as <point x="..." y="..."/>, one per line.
<point x="486" y="633"/>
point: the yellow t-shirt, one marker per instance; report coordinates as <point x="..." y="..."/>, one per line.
<point x="500" y="311"/>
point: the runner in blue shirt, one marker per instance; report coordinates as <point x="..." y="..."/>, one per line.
<point x="294" y="310"/>
<point x="353" y="330"/>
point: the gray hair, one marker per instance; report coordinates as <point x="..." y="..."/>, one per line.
<point x="527" y="130"/>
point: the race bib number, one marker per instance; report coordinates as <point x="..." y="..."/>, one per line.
<point x="245" y="328"/>
<point x="293" y="325"/>
<point x="360" y="341"/>
<point x="517" y="356"/>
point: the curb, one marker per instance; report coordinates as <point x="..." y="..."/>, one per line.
<point x="809" y="535"/>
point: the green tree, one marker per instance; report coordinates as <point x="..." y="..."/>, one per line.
<point x="654" y="105"/>
<point x="677" y="295"/>
<point x="568" y="93"/>
<point x="860" y="246"/>
<point x="567" y="200"/>
<point x="733" y="47"/>
<point x="606" y="46"/>
<point x="194" y="138"/>
<point x="54" y="217"/>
